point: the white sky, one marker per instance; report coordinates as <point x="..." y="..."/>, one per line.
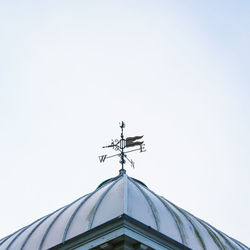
<point x="175" y="71"/>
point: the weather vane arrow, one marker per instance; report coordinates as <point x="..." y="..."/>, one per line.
<point x="121" y="145"/>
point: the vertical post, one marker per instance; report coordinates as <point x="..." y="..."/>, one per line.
<point x="122" y="145"/>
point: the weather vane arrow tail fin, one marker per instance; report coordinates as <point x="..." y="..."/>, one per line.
<point x="132" y="141"/>
<point x="137" y="143"/>
<point x="134" y="138"/>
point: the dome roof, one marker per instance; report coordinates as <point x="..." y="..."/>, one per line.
<point x="115" y="197"/>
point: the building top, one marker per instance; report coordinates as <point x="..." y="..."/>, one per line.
<point x="113" y="198"/>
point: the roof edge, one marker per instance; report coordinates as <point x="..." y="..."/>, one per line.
<point x="122" y="221"/>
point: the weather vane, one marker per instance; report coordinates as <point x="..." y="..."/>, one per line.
<point x="121" y="145"/>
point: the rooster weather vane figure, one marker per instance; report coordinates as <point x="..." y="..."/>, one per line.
<point x="121" y="145"/>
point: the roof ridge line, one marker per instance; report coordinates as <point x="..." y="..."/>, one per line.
<point x="125" y="194"/>
<point x="150" y="203"/>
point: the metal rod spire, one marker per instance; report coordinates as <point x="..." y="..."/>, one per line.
<point x="122" y="145"/>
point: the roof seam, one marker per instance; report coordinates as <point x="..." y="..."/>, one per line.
<point x="224" y="236"/>
<point x="190" y="221"/>
<point x="151" y="205"/>
<point x="234" y="241"/>
<point x="218" y="232"/>
<point x="34" y="229"/>
<point x="7" y="237"/>
<point x="99" y="202"/>
<point x="211" y="233"/>
<point x="240" y="243"/>
<point x="24" y="229"/>
<point x="52" y="223"/>
<point x="77" y="209"/>
<point x="73" y="215"/>
<point x="173" y="215"/>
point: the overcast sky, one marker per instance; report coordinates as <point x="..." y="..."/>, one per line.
<point x="176" y="72"/>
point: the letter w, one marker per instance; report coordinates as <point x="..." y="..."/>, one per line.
<point x="102" y="158"/>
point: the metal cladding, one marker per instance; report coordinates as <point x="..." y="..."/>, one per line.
<point x="114" y="197"/>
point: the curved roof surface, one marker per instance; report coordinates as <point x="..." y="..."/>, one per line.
<point x="114" y="197"/>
